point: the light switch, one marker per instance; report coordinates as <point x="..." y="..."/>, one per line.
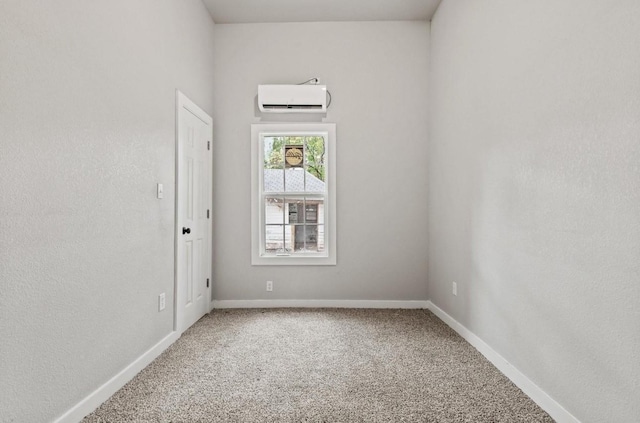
<point x="160" y="191"/>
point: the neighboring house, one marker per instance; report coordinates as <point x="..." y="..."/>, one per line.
<point x="293" y="222"/>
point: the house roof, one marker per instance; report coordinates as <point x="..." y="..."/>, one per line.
<point x="274" y="180"/>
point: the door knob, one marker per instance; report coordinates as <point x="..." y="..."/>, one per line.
<point x="186" y="231"/>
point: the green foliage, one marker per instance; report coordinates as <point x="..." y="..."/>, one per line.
<point x="314" y="153"/>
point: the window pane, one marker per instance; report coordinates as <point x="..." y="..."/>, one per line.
<point x="315" y="164"/>
<point x="311" y="212"/>
<point x="306" y="238"/>
<point x="293" y="140"/>
<point x="274" y="238"/>
<point x="294" y="179"/>
<point x="273" y="164"/>
<point x="320" y="245"/>
<point x="293" y="155"/>
<point x="274" y="211"/>
<point x="273" y="180"/>
<point x="298" y="236"/>
<point x="299" y="209"/>
<point x="289" y="237"/>
<point x="294" y="210"/>
<point x="273" y="158"/>
<point x="314" y="210"/>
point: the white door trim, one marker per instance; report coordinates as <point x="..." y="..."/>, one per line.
<point x="182" y="101"/>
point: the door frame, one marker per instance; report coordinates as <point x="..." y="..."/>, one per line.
<point x="182" y="101"/>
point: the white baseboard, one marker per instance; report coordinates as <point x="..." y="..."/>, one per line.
<point x="104" y="392"/>
<point x="540" y="397"/>
<point x="318" y="304"/>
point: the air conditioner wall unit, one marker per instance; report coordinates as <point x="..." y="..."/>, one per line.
<point x="292" y="98"/>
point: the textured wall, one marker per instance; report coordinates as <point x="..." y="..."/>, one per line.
<point x="534" y="191"/>
<point x="376" y="73"/>
<point x="87" y="105"/>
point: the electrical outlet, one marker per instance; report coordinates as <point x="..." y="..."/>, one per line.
<point x="454" y="289"/>
<point x="162" y="303"/>
<point x="269" y="286"/>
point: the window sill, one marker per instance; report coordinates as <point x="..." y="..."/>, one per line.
<point x="293" y="261"/>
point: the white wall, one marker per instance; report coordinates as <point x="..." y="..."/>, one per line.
<point x="534" y="191"/>
<point x="87" y="104"/>
<point x="376" y="73"/>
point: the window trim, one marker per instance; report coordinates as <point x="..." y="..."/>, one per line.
<point x="258" y="132"/>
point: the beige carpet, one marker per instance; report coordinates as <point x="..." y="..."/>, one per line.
<point x="323" y="365"/>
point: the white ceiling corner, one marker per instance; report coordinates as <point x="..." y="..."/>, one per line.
<point x="263" y="11"/>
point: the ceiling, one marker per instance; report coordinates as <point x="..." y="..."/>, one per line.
<point x="258" y="11"/>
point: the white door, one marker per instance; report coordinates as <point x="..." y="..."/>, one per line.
<point x="193" y="213"/>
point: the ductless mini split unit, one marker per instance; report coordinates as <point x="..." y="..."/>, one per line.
<point x="292" y="98"/>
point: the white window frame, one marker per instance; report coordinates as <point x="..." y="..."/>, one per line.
<point x="258" y="132"/>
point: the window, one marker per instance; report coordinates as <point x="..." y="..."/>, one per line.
<point x="293" y="194"/>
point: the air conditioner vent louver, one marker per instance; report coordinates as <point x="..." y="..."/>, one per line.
<point x="297" y="106"/>
<point x="292" y="98"/>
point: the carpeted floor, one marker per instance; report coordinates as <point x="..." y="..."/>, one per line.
<point x="323" y="365"/>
